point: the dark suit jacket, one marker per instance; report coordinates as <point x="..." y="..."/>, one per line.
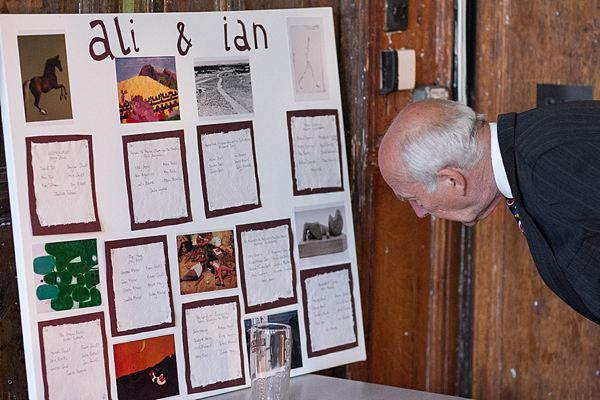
<point x="552" y="159"/>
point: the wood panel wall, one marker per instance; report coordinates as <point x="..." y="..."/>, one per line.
<point x="408" y="267"/>
<point x="528" y="344"/>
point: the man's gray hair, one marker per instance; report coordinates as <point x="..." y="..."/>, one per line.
<point x="448" y="141"/>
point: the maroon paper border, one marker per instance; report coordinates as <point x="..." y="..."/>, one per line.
<point x="74" y="320"/>
<point x="148" y="137"/>
<point x="78" y="227"/>
<point x="116" y="244"/>
<point x="226" y="128"/>
<point x="314" y="113"/>
<point x="261" y="226"/>
<point x="216" y="385"/>
<point x="305" y="274"/>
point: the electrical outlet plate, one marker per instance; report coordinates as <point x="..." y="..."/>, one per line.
<point x="398" y="70"/>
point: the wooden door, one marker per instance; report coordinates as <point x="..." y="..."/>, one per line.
<point x="528" y="344"/>
<point x="413" y="268"/>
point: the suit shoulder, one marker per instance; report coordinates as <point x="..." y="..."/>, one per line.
<point x="569" y="109"/>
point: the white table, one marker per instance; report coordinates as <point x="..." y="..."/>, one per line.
<point x="318" y="387"/>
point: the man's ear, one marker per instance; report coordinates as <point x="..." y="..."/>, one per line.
<point x="454" y="178"/>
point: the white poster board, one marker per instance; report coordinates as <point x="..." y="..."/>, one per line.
<point x="174" y="178"/>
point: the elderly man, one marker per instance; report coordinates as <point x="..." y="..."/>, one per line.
<point x="448" y="162"/>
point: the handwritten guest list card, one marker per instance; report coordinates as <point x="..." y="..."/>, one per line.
<point x="173" y="178"/>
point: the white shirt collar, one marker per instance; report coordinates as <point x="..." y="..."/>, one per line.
<point x="497" y="164"/>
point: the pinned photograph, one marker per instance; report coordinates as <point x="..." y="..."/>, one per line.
<point x="45" y="77"/>
<point x="321" y="235"/>
<point x="146" y="369"/>
<point x="223" y="87"/>
<point x="308" y="62"/>
<point x="206" y="262"/>
<point x="67" y="275"/>
<point x="147" y="88"/>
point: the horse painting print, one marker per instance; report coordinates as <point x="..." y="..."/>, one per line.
<point x="43" y="84"/>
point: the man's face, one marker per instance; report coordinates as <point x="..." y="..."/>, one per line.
<point x="445" y="202"/>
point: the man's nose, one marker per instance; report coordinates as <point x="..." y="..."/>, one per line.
<point x="420" y="211"/>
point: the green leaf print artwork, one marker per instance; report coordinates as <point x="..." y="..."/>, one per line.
<point x="70" y="275"/>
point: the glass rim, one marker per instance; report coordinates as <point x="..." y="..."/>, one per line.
<point x="270" y="326"/>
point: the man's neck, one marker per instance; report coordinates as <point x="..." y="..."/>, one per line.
<point x="485" y="187"/>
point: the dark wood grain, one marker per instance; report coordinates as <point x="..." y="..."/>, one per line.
<point x="528" y="344"/>
<point x="13" y="383"/>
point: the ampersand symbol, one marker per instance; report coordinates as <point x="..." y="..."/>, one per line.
<point x="188" y="42"/>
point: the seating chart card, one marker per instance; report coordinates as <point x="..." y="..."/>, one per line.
<point x="175" y="178"/>
<point x="157" y="179"/>
<point x="213" y="344"/>
<point x="315" y="151"/>
<point x="138" y="281"/>
<point x="228" y="165"/>
<point x="269" y="275"/>
<point x="73" y="358"/>
<point x="328" y="328"/>
<point x="62" y="197"/>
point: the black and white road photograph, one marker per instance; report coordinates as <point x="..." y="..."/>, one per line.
<point x="223" y="87"/>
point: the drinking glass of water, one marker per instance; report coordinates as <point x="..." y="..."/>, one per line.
<point x="270" y="361"/>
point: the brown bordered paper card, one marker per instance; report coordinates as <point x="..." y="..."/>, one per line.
<point x="202" y="343"/>
<point x="55" y="181"/>
<point x="267" y="265"/>
<point x="315" y="151"/>
<point x="334" y="302"/>
<point x="230" y="185"/>
<point x="60" y="356"/>
<point x="138" y="271"/>
<point x="157" y="182"/>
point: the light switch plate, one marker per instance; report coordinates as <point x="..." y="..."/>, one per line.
<point x="406" y="69"/>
